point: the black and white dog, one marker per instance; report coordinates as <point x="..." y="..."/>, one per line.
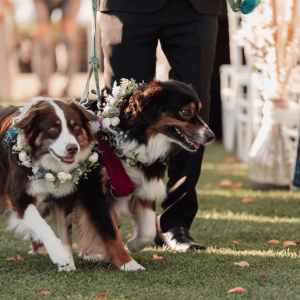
<point x="161" y="118"/>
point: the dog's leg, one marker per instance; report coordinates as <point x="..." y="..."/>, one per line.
<point x="93" y="240"/>
<point x="65" y="235"/>
<point x="37" y="248"/>
<point x="145" y="229"/>
<point x="37" y="227"/>
<point x="115" y="251"/>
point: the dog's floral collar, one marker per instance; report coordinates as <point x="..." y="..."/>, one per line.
<point x="110" y="115"/>
<point x="54" y="177"/>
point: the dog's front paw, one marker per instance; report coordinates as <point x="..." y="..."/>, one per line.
<point x="132" y="266"/>
<point x="58" y="253"/>
<point x="67" y="268"/>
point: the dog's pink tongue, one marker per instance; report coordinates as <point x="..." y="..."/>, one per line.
<point x="69" y="159"/>
<point x="196" y="145"/>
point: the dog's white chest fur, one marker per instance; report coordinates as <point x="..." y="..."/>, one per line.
<point x="42" y="188"/>
<point x="150" y="190"/>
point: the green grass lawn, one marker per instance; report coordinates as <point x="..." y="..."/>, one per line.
<point x="221" y="219"/>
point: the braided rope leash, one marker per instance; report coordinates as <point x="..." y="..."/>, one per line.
<point x="246" y="7"/>
<point x="94" y="62"/>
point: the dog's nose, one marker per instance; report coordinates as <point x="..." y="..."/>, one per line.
<point x="209" y="136"/>
<point x="72" y="149"/>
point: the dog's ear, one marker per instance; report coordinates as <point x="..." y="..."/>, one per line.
<point x="152" y="101"/>
<point x="86" y="113"/>
<point x="29" y="120"/>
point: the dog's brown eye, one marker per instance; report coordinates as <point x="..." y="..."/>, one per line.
<point x="186" y="112"/>
<point x="52" y="129"/>
<point x="76" y="127"/>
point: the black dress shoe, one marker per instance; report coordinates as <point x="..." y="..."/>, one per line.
<point x="177" y="239"/>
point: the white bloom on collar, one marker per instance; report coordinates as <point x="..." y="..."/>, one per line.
<point x="116" y="90"/>
<point x="106" y="122"/>
<point x="17" y="148"/>
<point x="27" y="163"/>
<point x="62" y="176"/>
<point x="115" y="121"/>
<point x="20" y="141"/>
<point x="69" y="176"/>
<point x="121" y="93"/>
<point x="95" y="126"/>
<point x="35" y="170"/>
<point x="23" y="156"/>
<point x="107" y="109"/>
<point x="94" y="157"/>
<point x="111" y="100"/>
<point x="49" y="177"/>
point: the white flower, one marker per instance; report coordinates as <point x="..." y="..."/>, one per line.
<point x="23" y="156"/>
<point x="27" y="163"/>
<point x="20" y="141"/>
<point x="111" y="100"/>
<point x="69" y="176"/>
<point x="62" y="176"/>
<point x="106" y="122"/>
<point x="116" y="90"/>
<point x="49" y="177"/>
<point x="79" y="172"/>
<point x="93" y="158"/>
<point x="115" y="121"/>
<point x="35" y="170"/>
<point x="95" y="126"/>
<point x="122" y="93"/>
<point x="106" y="109"/>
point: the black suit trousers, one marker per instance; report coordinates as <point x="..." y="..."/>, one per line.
<point x="188" y="39"/>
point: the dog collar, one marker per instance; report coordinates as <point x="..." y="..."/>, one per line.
<point x="10" y="134"/>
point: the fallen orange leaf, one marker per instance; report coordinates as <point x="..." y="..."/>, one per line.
<point x="238" y="184"/>
<point x="263" y="276"/>
<point x="44" y="254"/>
<point x="226" y="183"/>
<point x="7" y="229"/>
<point x="242" y="264"/>
<point x="274" y="242"/>
<point x="10" y="258"/>
<point x="155" y="257"/>
<point x="289" y="243"/>
<point x="129" y="235"/>
<point x="20" y="258"/>
<point x="46" y="293"/>
<point x="247" y="200"/>
<point x="236" y="290"/>
<point x="101" y="296"/>
<point x="236" y="242"/>
<point x="230" y="159"/>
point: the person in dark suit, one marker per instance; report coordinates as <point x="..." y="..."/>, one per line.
<point x="187" y="30"/>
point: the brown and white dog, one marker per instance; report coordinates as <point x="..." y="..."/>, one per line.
<point x="59" y="136"/>
<point x="161" y="118"/>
